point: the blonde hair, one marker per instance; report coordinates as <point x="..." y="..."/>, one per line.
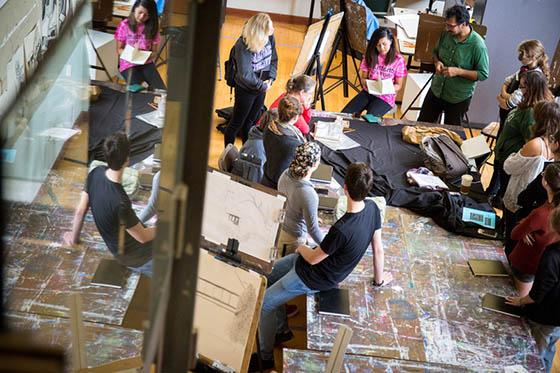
<point x="535" y="49"/>
<point x="256" y="31"/>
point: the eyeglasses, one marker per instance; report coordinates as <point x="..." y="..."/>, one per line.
<point x="449" y="26"/>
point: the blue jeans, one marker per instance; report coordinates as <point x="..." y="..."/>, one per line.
<point x="546" y="337"/>
<point x="283" y="285"/>
<point x="145" y="269"/>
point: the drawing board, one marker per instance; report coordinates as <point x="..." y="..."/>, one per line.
<point x="233" y="209"/>
<point x="310" y="42"/>
<point x="227" y="310"/>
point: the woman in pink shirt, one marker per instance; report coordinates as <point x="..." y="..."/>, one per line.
<point x="301" y="87"/>
<point x="140" y="30"/>
<point x="381" y="61"/>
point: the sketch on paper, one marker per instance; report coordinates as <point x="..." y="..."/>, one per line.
<point x="235" y="210"/>
<point x="226" y="308"/>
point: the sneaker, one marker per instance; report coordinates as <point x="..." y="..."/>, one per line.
<point x="282" y="337"/>
<point x="291" y="310"/>
<point x="254" y="363"/>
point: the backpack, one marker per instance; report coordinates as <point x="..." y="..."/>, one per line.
<point x="230" y="68"/>
<point x="249" y="167"/>
<point x="444" y="157"/>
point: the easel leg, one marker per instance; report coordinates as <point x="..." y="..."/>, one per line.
<point x="417" y="95"/>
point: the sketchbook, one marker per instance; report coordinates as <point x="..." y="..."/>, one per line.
<point x="483" y="267"/>
<point x="497" y="303"/>
<point x="380" y="87"/>
<point x="135" y="55"/>
<point x="334" y="302"/>
<point x="110" y="273"/>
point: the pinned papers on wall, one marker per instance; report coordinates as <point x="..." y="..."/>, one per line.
<point x="32" y="49"/>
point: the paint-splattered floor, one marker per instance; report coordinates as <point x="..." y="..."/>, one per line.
<point x="432" y="311"/>
<point x="40" y="273"/>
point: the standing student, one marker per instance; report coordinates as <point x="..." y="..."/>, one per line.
<point x="532" y="56"/>
<point x="280" y="140"/>
<point x="302" y="199"/>
<point x="461" y="59"/>
<point x="542" y="304"/>
<point x="517" y="128"/>
<point x="323" y="267"/>
<point x="256" y="61"/>
<point x="381" y="61"/>
<point x="533" y="234"/>
<point x="524" y="166"/>
<point x="140" y="30"/>
<point x="112" y="210"/>
<point x="301" y="87"/>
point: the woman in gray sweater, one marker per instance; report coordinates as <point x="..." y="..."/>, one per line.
<point x="303" y="201"/>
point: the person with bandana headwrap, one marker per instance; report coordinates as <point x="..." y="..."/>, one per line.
<point x="303" y="201"/>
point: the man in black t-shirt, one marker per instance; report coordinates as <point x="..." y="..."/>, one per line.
<point x="310" y="270"/>
<point x="111" y="209"/>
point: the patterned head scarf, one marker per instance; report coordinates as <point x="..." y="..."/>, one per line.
<point x="307" y="155"/>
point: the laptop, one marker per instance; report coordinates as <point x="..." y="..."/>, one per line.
<point x="322" y="174"/>
<point x="484" y="267"/>
<point x="327" y="203"/>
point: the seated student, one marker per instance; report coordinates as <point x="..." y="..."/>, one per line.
<point x="280" y="140"/>
<point x="303" y="201"/>
<point x="517" y="128"/>
<point x="542" y="304"/>
<point x="111" y="207"/>
<point x="303" y="88"/>
<point x="311" y="270"/>
<point x="140" y="30"/>
<point x="524" y="166"/>
<point x="533" y="234"/>
<point x="381" y="61"/>
<point x="532" y="55"/>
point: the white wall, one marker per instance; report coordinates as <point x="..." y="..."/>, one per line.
<point x="298" y="8"/>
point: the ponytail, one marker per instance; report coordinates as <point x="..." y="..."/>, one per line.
<point x="300" y="83"/>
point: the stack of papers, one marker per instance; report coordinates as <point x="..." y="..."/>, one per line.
<point x="428" y="181"/>
<point x="330" y="134"/>
<point x="380" y="87"/>
<point x="135" y="55"/>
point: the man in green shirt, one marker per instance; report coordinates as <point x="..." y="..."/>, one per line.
<point x="460" y="59"/>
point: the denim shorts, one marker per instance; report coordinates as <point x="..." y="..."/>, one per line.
<point x="520" y="276"/>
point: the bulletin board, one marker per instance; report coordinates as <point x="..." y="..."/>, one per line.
<point x="311" y="39"/>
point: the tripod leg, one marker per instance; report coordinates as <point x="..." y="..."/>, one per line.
<point x="320" y="83"/>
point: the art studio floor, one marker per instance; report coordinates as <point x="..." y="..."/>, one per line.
<point x="41" y="272"/>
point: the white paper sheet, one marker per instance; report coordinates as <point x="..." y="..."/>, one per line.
<point x="380" y="87"/>
<point x="344" y="143"/>
<point x="135" y="55"/>
<point x="475" y="147"/>
<point x="428" y="181"/>
<point x="409" y="23"/>
<point x="152" y="118"/>
<point x="59" y="133"/>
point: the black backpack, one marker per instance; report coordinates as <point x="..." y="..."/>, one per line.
<point x="230" y="68"/>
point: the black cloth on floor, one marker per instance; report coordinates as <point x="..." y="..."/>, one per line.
<point x="107" y="115"/>
<point x="383" y="149"/>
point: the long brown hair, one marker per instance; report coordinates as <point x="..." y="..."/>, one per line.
<point x="300" y="83"/>
<point x="536" y="89"/>
<point x="534" y="49"/>
<point x="371" y="52"/>
<point x="547" y="120"/>
<point x="552" y="177"/>
<point x="151" y="26"/>
<point x="288" y="108"/>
